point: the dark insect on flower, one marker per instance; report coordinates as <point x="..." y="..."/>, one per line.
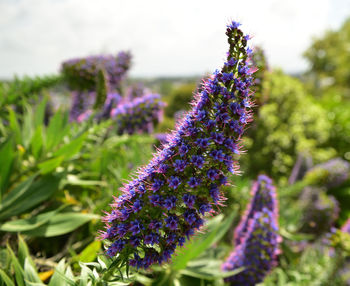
<point x="165" y="205"/>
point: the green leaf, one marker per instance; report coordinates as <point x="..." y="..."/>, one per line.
<point x="90" y="252"/>
<point x="27" y="195"/>
<point x="27" y="126"/>
<point x="56" y="130"/>
<point x="209" y="275"/>
<point x="12" y="197"/>
<point x="19" y="272"/>
<point x="30" y="274"/>
<point x="76" y="181"/>
<point x="37" y="142"/>
<point x="7" y="156"/>
<point x="72" y="148"/>
<point x="69" y="273"/>
<point x="14" y="126"/>
<point x="29" y="283"/>
<point x="200" y="243"/>
<point x="39" y="114"/>
<point x="31" y="223"/>
<point x="84" y="275"/>
<point x="61" y="224"/>
<point x="6" y="279"/>
<point x="67" y="277"/>
<point x="23" y="252"/>
<point x="56" y="277"/>
<point x="209" y="269"/>
<point x="50" y="165"/>
<point x="295" y="236"/>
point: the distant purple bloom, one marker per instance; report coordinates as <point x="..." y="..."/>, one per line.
<point x="346" y="226"/>
<point x="139" y="115"/>
<point x="82" y="103"/>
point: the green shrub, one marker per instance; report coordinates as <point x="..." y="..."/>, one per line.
<point x="290" y="122"/>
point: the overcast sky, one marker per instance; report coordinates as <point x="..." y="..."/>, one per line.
<point x="166" y="37"/>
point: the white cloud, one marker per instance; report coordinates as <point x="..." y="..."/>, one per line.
<point x="166" y="37"/>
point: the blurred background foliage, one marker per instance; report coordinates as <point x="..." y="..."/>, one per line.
<point x="57" y="177"/>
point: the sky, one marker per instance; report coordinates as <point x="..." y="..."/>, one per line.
<point x="166" y="37"/>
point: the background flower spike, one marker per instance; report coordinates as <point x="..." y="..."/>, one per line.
<point x="256" y="237"/>
<point x="263" y="195"/>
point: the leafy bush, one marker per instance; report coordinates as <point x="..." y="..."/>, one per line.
<point x="290" y="122"/>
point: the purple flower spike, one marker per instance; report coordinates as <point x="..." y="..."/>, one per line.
<point x="256" y="237"/>
<point x="257" y="253"/>
<point x="138" y="116"/>
<point x="184" y="180"/>
<point x="263" y="195"/>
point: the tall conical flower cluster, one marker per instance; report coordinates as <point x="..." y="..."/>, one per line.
<point x="81" y="73"/>
<point x="263" y="195"/>
<point x="138" y="116"/>
<point x="256" y="237"/>
<point x="166" y="203"/>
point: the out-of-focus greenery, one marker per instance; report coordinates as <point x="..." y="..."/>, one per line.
<point x="180" y="99"/>
<point x="328" y="78"/>
<point x="20" y="90"/>
<point x="101" y="88"/>
<point x="339" y="117"/>
<point x="260" y="62"/>
<point x="290" y="122"/>
<point x="329" y="58"/>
